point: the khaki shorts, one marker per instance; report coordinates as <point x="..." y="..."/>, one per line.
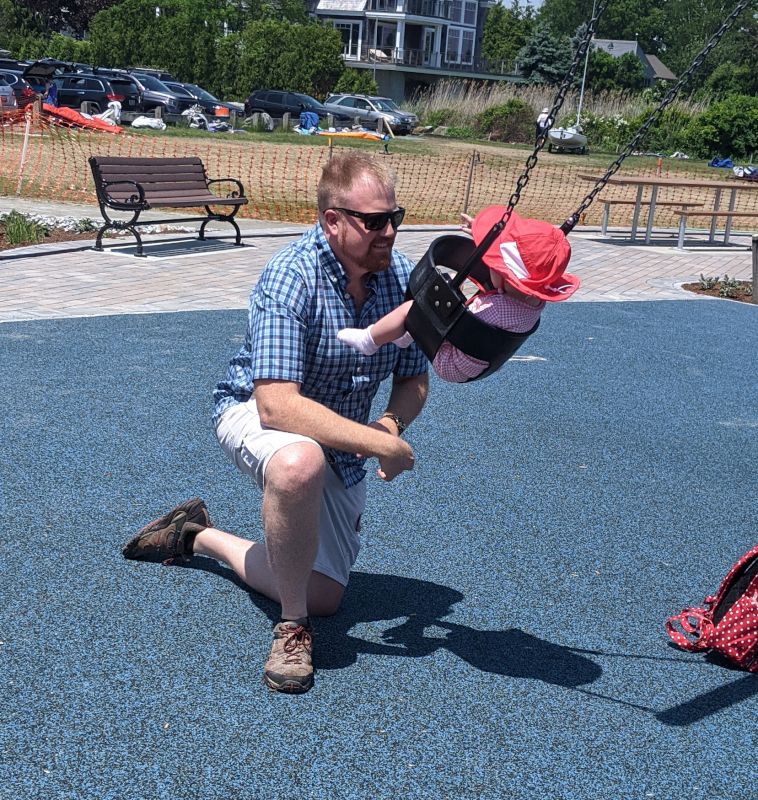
<point x="250" y="447"/>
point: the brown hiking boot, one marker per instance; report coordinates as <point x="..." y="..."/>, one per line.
<point x="289" y="668"/>
<point x="170" y="536"/>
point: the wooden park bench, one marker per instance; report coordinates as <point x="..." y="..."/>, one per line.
<point x="608" y="203"/>
<point x="714" y="216"/>
<point x="135" y="185"/>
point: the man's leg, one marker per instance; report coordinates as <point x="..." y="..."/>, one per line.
<point x="250" y="562"/>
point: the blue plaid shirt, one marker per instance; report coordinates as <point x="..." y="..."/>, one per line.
<point x="296" y="309"/>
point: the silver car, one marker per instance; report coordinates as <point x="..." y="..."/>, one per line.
<point x="400" y="121"/>
<point x="8" y="100"/>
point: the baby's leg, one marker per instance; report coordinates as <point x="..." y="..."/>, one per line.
<point x="390" y="328"/>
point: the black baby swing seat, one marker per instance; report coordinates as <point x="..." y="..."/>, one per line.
<point x="439" y="311"/>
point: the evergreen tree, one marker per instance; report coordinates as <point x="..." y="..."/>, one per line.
<point x="545" y="58"/>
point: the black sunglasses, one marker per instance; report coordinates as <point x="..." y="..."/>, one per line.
<point x="377" y="221"/>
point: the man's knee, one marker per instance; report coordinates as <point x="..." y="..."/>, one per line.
<point x="324" y="595"/>
<point x="296" y="468"/>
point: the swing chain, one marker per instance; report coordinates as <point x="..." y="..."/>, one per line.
<point x="571" y="222"/>
<point x="557" y="104"/>
<point x="523" y="179"/>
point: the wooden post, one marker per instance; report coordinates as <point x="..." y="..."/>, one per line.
<point x="472" y="163"/>
<point x="286" y="121"/>
<point x="28" y="116"/>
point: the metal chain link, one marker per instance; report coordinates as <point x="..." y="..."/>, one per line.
<point x="568" y="79"/>
<point x="571" y="222"/>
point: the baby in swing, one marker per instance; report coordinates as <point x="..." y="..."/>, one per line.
<point x="526" y="264"/>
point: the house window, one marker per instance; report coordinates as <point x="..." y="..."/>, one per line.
<point x="460" y="46"/>
<point x="463" y="12"/>
<point x="351" y="35"/>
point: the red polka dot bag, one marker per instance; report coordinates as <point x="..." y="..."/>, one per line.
<point x="728" y="624"/>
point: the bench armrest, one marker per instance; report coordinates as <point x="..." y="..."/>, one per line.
<point x="240" y="187"/>
<point x="135" y="201"/>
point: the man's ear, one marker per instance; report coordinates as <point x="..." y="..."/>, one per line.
<point x="330" y="217"/>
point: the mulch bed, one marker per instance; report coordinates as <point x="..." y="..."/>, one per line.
<point x="742" y="292"/>
<point x="53" y="237"/>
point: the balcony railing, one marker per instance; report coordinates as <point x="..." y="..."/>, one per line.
<point x="417" y="8"/>
<point x="418" y="58"/>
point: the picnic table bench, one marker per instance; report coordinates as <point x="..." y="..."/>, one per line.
<point x="135" y="185"/>
<point x="614" y="202"/>
<point x="714" y="216"/>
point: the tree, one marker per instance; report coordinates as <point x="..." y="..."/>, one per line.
<point x="630" y="73"/>
<point x="729" y="78"/>
<point x="505" y="32"/>
<point x="66" y="48"/>
<point x="356" y="81"/>
<point x="641" y="20"/>
<point x="545" y="58"/>
<point x="689" y="25"/>
<point x="52" y="16"/>
<point x="307" y="58"/>
<point x="601" y="72"/>
<point x="179" y="36"/>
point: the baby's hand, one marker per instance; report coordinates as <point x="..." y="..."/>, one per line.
<point x="466" y="221"/>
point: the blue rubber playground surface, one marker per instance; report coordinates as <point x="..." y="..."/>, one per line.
<point x="502" y="636"/>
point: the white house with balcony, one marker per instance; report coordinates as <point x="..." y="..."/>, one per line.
<point x="411" y="43"/>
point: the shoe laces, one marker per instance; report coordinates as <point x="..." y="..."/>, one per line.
<point x="298" y="640"/>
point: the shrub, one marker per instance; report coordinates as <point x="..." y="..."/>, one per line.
<point x="356" y="81"/>
<point x="668" y="134"/>
<point x="21" y="229"/>
<point x="512" y="121"/>
<point x="727" y="128"/>
<point x="604" y="132"/>
<point x="461" y="132"/>
<point x="439" y="116"/>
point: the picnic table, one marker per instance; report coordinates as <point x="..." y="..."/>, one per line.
<point x="654" y="183"/>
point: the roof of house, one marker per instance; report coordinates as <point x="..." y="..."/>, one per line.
<point x="660" y="70"/>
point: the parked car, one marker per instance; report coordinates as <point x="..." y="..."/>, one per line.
<point x="40" y="73"/>
<point x="400" y="121"/>
<point x="79" y="87"/>
<point x="154" y="93"/>
<point x="276" y="103"/>
<point x="124" y="84"/>
<point x="7" y="97"/>
<point x="212" y="106"/>
<point x="21" y="88"/>
<point x="364" y="117"/>
<point x="156" y="73"/>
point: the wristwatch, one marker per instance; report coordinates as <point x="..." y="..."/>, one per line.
<point x="401" y="426"/>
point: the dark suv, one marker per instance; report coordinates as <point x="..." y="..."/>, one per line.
<point x="77" y="88"/>
<point x="125" y="85"/>
<point x="155" y="93"/>
<point x="277" y="103"/>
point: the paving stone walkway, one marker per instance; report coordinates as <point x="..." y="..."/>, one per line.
<point x="72" y="280"/>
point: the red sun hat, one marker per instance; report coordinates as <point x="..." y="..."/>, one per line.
<point x="530" y="254"/>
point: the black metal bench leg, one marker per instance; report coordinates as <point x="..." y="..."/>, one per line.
<point x="140" y="253"/>
<point x="99" y="240"/>
<point x="238" y="240"/>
